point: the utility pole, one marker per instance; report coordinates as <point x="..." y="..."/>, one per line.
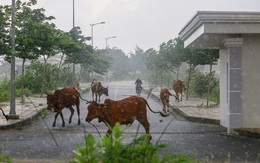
<point x="73" y="78"/>
<point x="12" y="114"/>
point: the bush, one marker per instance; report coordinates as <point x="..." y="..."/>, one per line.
<point x="110" y="149"/>
<point x="5" y="158"/>
<point x="199" y="86"/>
<point x="4" y="90"/>
<point x="55" y="77"/>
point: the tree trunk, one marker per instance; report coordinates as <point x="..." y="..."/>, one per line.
<point x="22" y="82"/>
<point x="209" y="81"/>
<point x="58" y="73"/>
<point x="44" y="76"/>
<point x="189" y="79"/>
<point x="178" y="71"/>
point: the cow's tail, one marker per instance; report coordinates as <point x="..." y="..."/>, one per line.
<point x="84" y="99"/>
<point x="175" y="96"/>
<point x="6" y="116"/>
<point x="164" y="115"/>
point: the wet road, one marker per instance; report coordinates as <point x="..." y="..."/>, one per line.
<point x="209" y="143"/>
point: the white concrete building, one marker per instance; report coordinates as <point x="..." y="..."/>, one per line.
<point x="237" y="36"/>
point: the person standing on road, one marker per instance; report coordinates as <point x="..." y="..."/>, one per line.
<point x="138" y="87"/>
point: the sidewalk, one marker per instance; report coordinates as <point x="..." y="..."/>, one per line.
<point x="27" y="112"/>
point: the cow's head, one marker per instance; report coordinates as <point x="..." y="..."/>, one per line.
<point x="50" y="101"/>
<point x="106" y="91"/>
<point x="94" y="110"/>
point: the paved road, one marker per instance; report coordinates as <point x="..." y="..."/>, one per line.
<point x="208" y="142"/>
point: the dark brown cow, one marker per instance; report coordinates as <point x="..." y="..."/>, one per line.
<point x="98" y="89"/>
<point x="164" y="96"/>
<point x="124" y="111"/>
<point x="66" y="97"/>
<point x="178" y="87"/>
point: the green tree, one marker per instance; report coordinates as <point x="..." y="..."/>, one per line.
<point x="27" y="19"/>
<point x="137" y="61"/>
<point x="101" y="62"/>
<point x="5" y="26"/>
<point x="80" y="53"/>
<point x="211" y="58"/>
<point x="153" y="63"/>
<point x="178" y="50"/>
<point x="47" y="41"/>
<point x="119" y="63"/>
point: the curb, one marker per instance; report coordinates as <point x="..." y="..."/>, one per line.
<point x="246" y="133"/>
<point x="25" y="121"/>
<point x="195" y="119"/>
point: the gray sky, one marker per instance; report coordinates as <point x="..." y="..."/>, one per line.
<point x="143" y="23"/>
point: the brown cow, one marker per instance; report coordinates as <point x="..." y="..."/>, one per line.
<point x="66" y="97"/>
<point x="178" y="87"/>
<point x="124" y="111"/>
<point x="98" y="89"/>
<point x="164" y="96"/>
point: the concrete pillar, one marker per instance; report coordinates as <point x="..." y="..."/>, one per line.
<point x="234" y="82"/>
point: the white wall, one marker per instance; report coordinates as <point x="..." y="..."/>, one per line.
<point x="251" y="81"/>
<point x="224" y="109"/>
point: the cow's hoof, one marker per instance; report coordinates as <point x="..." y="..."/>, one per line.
<point x="53" y="125"/>
<point x="63" y="125"/>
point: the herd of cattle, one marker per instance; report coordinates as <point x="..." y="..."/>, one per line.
<point x="124" y="111"/>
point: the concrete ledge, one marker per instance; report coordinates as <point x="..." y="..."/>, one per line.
<point x="18" y="124"/>
<point x="195" y="119"/>
<point x="250" y="133"/>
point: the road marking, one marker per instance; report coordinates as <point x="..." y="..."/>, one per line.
<point x="116" y="92"/>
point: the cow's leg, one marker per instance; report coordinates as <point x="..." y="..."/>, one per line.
<point x="164" y="105"/>
<point x="54" y="122"/>
<point x="78" y="111"/>
<point x="71" y="113"/>
<point x="96" y="96"/>
<point x="146" y="125"/>
<point x="168" y="105"/>
<point x="63" y="122"/>
<point x="56" y="115"/>
<point x="181" y="95"/>
<point x="93" y="95"/>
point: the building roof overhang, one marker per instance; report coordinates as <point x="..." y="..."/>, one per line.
<point x="208" y="29"/>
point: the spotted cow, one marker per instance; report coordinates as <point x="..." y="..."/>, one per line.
<point x="124" y="111"/>
<point x="164" y="96"/>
